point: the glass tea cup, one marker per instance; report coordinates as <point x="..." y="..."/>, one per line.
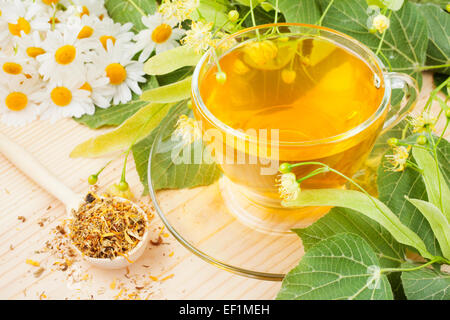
<point x="250" y="157"/>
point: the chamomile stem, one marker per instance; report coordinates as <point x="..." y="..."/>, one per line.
<point x="319" y="23"/>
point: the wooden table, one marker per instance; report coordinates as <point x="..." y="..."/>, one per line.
<point x="166" y="271"/>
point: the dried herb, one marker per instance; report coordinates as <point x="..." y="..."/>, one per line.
<point x="106" y="227"/>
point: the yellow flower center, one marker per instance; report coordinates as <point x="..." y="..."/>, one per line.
<point x="161" y="33"/>
<point x="61" y="96"/>
<point x="116" y="73"/>
<point x="16" y="101"/>
<point x="85" y="11"/>
<point x="86" y="86"/>
<point x="21" y="25"/>
<point x="104" y="40"/>
<point x="12" y="68"/>
<point x="65" y="54"/>
<point x="50" y="2"/>
<point x="33" y="52"/>
<point x="85" y="32"/>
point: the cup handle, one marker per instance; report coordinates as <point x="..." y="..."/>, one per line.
<point x="406" y="103"/>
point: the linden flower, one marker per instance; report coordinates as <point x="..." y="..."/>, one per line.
<point x="199" y="37"/>
<point x="261" y="52"/>
<point x="18" y="104"/>
<point x="399" y="158"/>
<point x="65" y="99"/>
<point x="64" y="56"/>
<point x="423" y="121"/>
<point x="288" y="186"/>
<point x="159" y="36"/>
<point x="16" y="65"/>
<point x="97" y="83"/>
<point x="179" y="10"/>
<point x="380" y="23"/>
<point x="187" y="129"/>
<point x="124" y="73"/>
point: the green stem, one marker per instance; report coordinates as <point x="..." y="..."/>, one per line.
<point x="388" y="270"/>
<point x="243" y="19"/>
<point x="382" y="37"/>
<point x="437" y="168"/>
<point x="312" y="174"/>
<point x="254" y="21"/>
<point x="423" y="68"/>
<point x="319" y="23"/>
<point x="124" y="169"/>
<point x="443" y="131"/>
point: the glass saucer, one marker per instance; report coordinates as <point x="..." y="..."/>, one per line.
<point x="200" y="220"/>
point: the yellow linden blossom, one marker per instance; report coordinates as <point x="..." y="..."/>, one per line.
<point x="399" y="158"/>
<point x="187" y="129"/>
<point x="199" y="37"/>
<point x="423" y="121"/>
<point x="288" y="186"/>
<point x="288" y="76"/>
<point x="261" y="52"/>
<point x="240" y="67"/>
<point x="116" y="73"/>
<point x="380" y="23"/>
<point x="178" y="9"/>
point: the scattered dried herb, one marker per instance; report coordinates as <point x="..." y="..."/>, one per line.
<point x="22" y="218"/>
<point x="106" y="227"/>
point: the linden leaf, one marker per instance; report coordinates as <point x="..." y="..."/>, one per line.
<point x="169" y="93"/>
<point x="138" y="126"/>
<point x="340" y="267"/>
<point x="171" y="60"/>
<point x="124" y="11"/>
<point x="300" y="11"/>
<point x="365" y="204"/>
<point x="425" y="283"/>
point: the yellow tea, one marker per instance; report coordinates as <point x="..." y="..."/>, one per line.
<point x="311" y="91"/>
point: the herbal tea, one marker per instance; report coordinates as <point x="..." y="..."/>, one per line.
<point x="308" y="89"/>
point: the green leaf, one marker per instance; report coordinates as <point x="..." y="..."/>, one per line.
<point x="169" y="93"/>
<point x="247" y="2"/>
<point x="340" y="267"/>
<point x="171" y="60"/>
<point x="138" y="126"/>
<point x="438" y="23"/>
<point x="168" y="175"/>
<point x="365" y="204"/>
<point x="390" y="4"/>
<point x="425" y="284"/>
<point x="215" y="11"/>
<point x="394" y="186"/>
<point x="340" y="220"/>
<point x="301" y="11"/>
<point x="405" y="42"/>
<point x="117" y="114"/>
<point x="437" y="221"/>
<point x="437" y="188"/>
<point x="124" y="11"/>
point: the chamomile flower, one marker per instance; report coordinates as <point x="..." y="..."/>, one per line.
<point x="97" y="83"/>
<point x="187" y="129"/>
<point x="30" y="45"/>
<point x="64" y="56"/>
<point x="109" y="31"/>
<point x="160" y="35"/>
<point x="16" y="65"/>
<point x="22" y="16"/>
<point x="18" y="104"/>
<point x="179" y="10"/>
<point x="399" y="158"/>
<point x="288" y="187"/>
<point x="91" y="8"/>
<point x="124" y="73"/>
<point x="199" y="37"/>
<point x="65" y="99"/>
